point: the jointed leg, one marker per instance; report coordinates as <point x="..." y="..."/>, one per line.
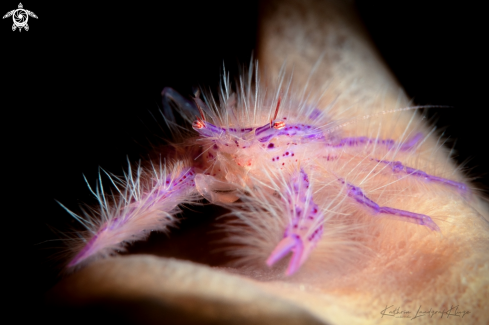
<point x="149" y="201"/>
<point x="398" y="167"/>
<point x="389" y="143"/>
<point x="420" y="219"/>
<point x="306" y="224"/>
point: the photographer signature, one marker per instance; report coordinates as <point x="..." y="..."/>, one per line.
<point x="398" y="313"/>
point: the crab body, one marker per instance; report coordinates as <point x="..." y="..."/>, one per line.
<point x="286" y="157"/>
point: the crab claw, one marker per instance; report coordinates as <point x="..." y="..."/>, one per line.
<point x="305" y="226"/>
<point x="290" y="243"/>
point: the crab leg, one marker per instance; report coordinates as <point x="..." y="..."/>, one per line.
<point x="398" y="167"/>
<point x="305" y="224"/>
<point x="141" y="208"/>
<point x="389" y="143"/>
<point x="420" y="219"/>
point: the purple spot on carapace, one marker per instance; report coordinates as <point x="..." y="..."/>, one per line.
<point x="271" y="145"/>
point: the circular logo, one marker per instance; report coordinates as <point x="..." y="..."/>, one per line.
<point x="20" y="17"/>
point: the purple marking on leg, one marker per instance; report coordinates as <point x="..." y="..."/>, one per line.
<point x="417" y="218"/>
<point x="305" y="228"/>
<point x="411" y="143"/>
<point x="461" y="186"/>
<point x="398" y="167"/>
<point x="357" y="194"/>
<point x="351" y="142"/>
<point x="262" y="129"/>
<point x="389" y="143"/>
<point x="179" y="184"/>
<point x="163" y="190"/>
<point x="296" y="260"/>
<point x="416" y="172"/>
<point x="359" y="141"/>
<point x="307" y="132"/>
<point x="85" y="252"/>
<point x="282" y="249"/>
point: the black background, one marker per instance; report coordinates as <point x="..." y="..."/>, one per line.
<point x="77" y="89"/>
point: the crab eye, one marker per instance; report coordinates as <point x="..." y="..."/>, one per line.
<point x="279" y="125"/>
<point x="198" y="125"/>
